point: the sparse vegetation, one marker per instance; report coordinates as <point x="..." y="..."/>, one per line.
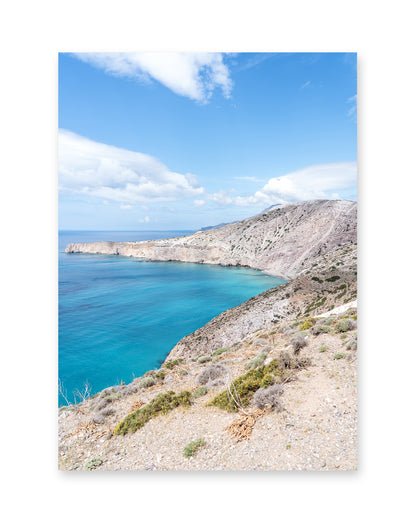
<point x="194" y="446"/>
<point x="340" y="355"/>
<point x="170" y="364"/>
<point x="323" y="348"/>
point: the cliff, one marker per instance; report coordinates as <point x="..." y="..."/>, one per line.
<point x="284" y="241"/>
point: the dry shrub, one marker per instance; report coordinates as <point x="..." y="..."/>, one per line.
<point x="298" y="342"/>
<point x="269" y="398"/>
<point x="210" y="374"/>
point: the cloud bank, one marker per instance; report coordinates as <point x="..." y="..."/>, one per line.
<point x="322" y="181"/>
<point x="100" y="170"/>
<point x="194" y="75"/>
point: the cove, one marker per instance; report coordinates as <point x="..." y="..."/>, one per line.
<point x="119" y="317"/>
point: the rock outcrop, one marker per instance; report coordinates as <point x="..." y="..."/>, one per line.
<point x="284" y="241"/>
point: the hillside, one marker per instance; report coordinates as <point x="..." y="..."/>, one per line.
<point x="310" y="423"/>
<point x="284" y="241"/>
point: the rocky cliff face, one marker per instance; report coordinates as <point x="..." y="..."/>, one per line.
<point x="283" y="241"/>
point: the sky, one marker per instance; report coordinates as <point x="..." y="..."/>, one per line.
<point x="166" y="141"/>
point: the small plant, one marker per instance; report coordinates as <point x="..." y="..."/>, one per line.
<point x="345" y="324"/>
<point x="340" y="355"/>
<point x="256" y="362"/>
<point x="93" y="463"/>
<point x="199" y="392"/>
<point x="316" y="279"/>
<point x="194" y="446"/>
<point x="220" y="351"/>
<point x="323" y="348"/>
<point x="343" y="335"/>
<point x="306" y="324"/>
<point x="332" y="279"/>
<point x="298" y="343"/>
<point x="320" y="329"/>
<point x="210" y="373"/>
<point x="171" y="364"/>
<point x="147" y="382"/>
<point x="203" y="359"/>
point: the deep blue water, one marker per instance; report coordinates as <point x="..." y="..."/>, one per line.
<point x="119" y="317"/>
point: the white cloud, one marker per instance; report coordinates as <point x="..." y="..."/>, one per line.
<point x="144" y="220"/>
<point x="126" y="206"/>
<point x="194" y="75"/>
<point x="198" y="203"/>
<point x="352" y="101"/>
<point x="306" y="84"/>
<point x="111" y="173"/>
<point x="322" y="181"/>
<point x="222" y="197"/>
<point x="248" y="178"/>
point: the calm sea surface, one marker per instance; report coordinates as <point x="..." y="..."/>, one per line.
<point x="119" y="317"/>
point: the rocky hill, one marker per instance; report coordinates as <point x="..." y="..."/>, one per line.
<point x="284" y="241"/>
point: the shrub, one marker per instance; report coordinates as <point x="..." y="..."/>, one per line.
<point x="298" y="343"/>
<point x="220" y="351"/>
<point x="352" y="344"/>
<point x="146" y="382"/>
<point x="269" y="396"/>
<point x="100" y="418"/>
<point x="257" y="361"/>
<point x="210" y="373"/>
<point x="242" y="389"/>
<point x="266" y="381"/>
<point x="332" y="279"/>
<point x="194" y="446"/>
<point x="340" y="355"/>
<point x="160" y="375"/>
<point x="316" y="279"/>
<point x="345" y="324"/>
<point x="306" y="324"/>
<point x="161" y="404"/>
<point x="199" y="392"/>
<point x="171" y="364"/>
<point x="323" y="348"/>
<point x="93" y="463"/>
<point x="203" y="359"/>
<point x="320" y="329"/>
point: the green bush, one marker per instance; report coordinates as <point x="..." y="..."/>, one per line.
<point x="93" y="463"/>
<point x="340" y="355"/>
<point x="203" y="359"/>
<point x="171" y="364"/>
<point x="191" y="448"/>
<point x="199" y="392"/>
<point x="256" y="362"/>
<point x="161" y="404"/>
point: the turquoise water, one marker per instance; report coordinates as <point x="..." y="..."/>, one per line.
<point x="119" y="317"/>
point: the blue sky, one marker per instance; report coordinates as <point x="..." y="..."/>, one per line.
<point x="159" y="141"/>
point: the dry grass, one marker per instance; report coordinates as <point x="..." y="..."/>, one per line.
<point x="242" y="427"/>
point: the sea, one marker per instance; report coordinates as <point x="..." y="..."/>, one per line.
<point x="119" y="317"/>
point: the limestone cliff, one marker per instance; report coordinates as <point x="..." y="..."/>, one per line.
<point x="283" y="241"/>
